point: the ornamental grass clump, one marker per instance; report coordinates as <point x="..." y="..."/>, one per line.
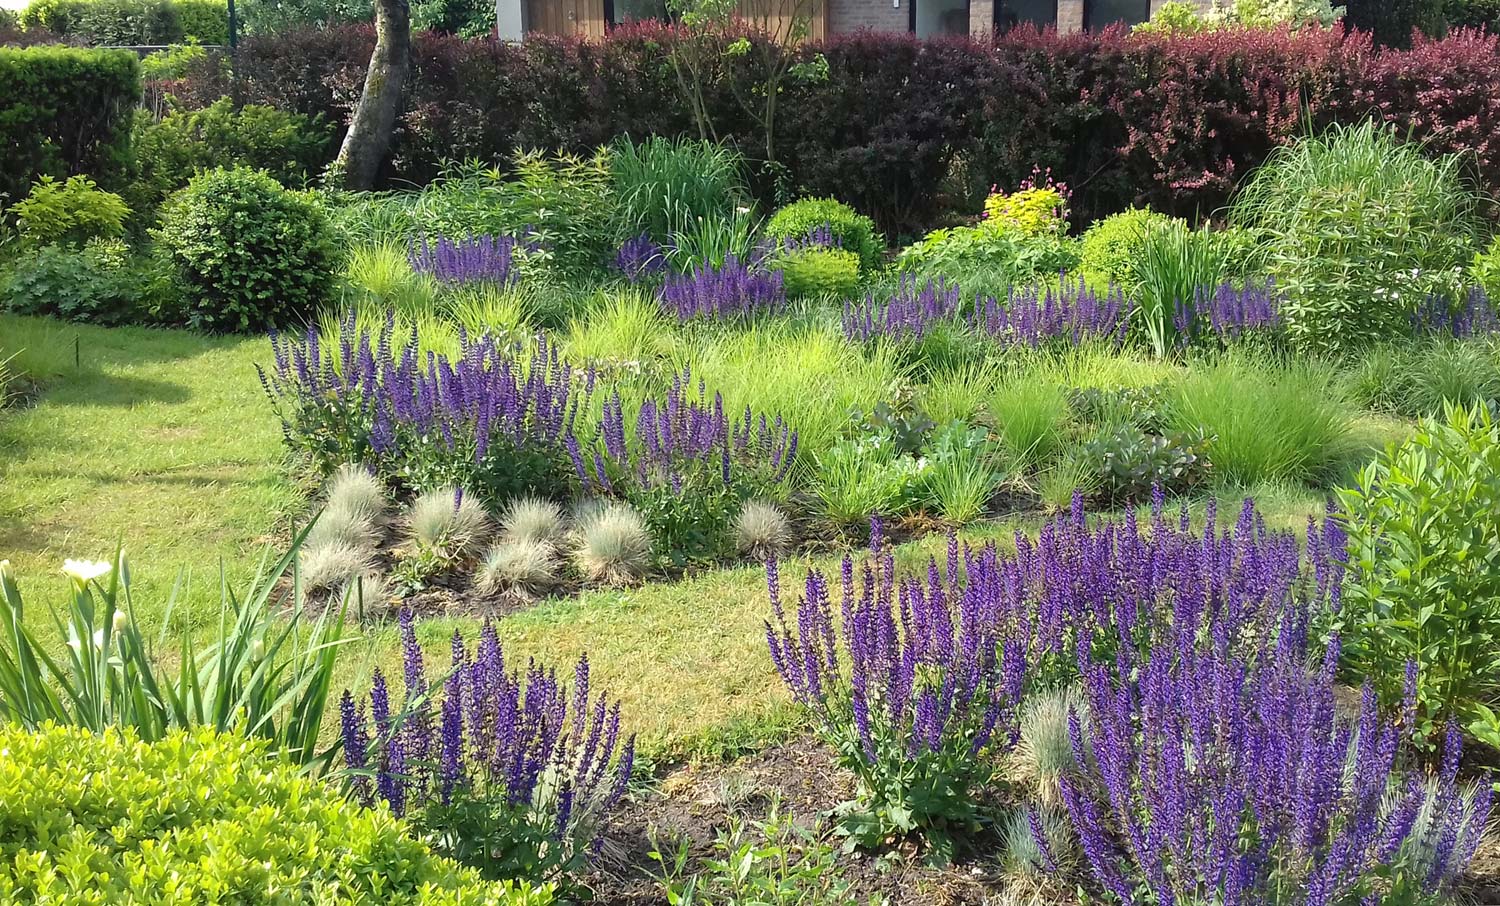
<point x="446" y="523"/>
<point x="495" y="416"/>
<point x="730" y="290"/>
<point x="512" y="772"/>
<point x="761" y="530"/>
<point x="613" y="546"/>
<point x="523" y="567"/>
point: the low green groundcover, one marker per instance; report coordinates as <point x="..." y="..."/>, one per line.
<point x="200" y="818"/>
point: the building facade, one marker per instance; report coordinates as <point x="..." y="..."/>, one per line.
<point x="924" y="18"/>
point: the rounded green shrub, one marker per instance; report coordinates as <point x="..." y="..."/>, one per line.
<point x="1111" y="248"/>
<point x="199" y="818"/>
<point x="250" y="254"/>
<point x="818" y="272"/>
<point x="854" y="231"/>
<point x="71" y="212"/>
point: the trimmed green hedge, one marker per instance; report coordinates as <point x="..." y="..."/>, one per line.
<point x="65" y="111"/>
<point x="131" y="22"/>
<point x="202" y="818"/>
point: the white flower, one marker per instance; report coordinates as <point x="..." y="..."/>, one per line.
<point x="4" y="569"/>
<point x="73" y="641"/>
<point x="257" y="650"/>
<point x="119" y="623"/>
<point x="99" y="639"/>
<point x="82" y="571"/>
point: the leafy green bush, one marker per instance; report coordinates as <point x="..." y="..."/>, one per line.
<point x="1357" y="229"/>
<point x="1417" y="379"/>
<point x="1264" y="422"/>
<point x="201" y="818"/>
<point x="662" y="186"/>
<point x="289" y="146"/>
<point x="71" y="212"/>
<point x="817" y="272"/>
<point x="1002" y="258"/>
<point x="1485" y="271"/>
<point x="854" y="231"/>
<point x="251" y="254"/>
<point x="1111" y="248"/>
<point x="1423" y="583"/>
<point x="263" y="676"/>
<point x="131" y="22"/>
<point x="67" y="110"/>
<point x="567" y="203"/>
<point x="1131" y="463"/>
<point x="98" y="284"/>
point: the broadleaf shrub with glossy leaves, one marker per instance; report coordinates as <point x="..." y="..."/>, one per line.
<point x="251" y="255"/>
<point x="1423" y="586"/>
<point x="198" y="817"/>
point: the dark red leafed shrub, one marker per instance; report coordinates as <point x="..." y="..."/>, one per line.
<point x="1174" y="122"/>
<point x="1200" y="111"/>
<point x="1446" y="93"/>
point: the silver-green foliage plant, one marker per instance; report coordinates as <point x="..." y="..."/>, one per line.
<point x="261" y="676"/>
<point x="1358" y="229"/>
<point x="1423" y="581"/>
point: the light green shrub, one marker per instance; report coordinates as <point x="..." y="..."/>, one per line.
<point x="818" y="272"/>
<point x="1423" y="585"/>
<point x="70" y="213"/>
<point x="1111" y="249"/>
<point x="1485" y="271"/>
<point x="855" y="232"/>
<point x="199" y="818"/>
<point x="1357" y="228"/>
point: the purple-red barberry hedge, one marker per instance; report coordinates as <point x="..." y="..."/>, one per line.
<point x="909" y="130"/>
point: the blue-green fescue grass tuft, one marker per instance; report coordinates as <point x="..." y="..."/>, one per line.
<point x="1267" y="421"/>
<point x="762" y="531"/>
<point x="613" y="546"/>
<point x="447" y="522"/>
<point x="533" y="520"/>
<point x="521" y="566"/>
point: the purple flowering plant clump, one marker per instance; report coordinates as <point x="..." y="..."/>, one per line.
<point x="497" y="418"/>
<point x="1072" y="313"/>
<point x="641" y="258"/>
<point x="909" y="313"/>
<point x="1474" y="316"/>
<point x="1212" y="763"/>
<point x="735" y="289"/>
<point x="1228" y="313"/>
<point x="510" y="771"/>
<point x="687" y="466"/>
<point x="473" y="259"/>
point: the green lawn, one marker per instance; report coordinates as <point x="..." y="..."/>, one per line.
<point x="165" y="442"/>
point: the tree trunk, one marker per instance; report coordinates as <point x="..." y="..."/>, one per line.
<point x="369" y="137"/>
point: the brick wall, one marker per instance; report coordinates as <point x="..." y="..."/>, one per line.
<point x="877" y="15"/>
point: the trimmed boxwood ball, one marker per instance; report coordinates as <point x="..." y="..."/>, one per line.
<point x="854" y="231"/>
<point x="202" y="818"/>
<point x="818" y="272"/>
<point x="250" y="254"/>
<point x="1111" y="247"/>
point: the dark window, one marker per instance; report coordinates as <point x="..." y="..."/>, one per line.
<point x="1100" y="14"/>
<point x="929" y="18"/>
<point x="1010" y="13"/>
<point x="618" y="12"/>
